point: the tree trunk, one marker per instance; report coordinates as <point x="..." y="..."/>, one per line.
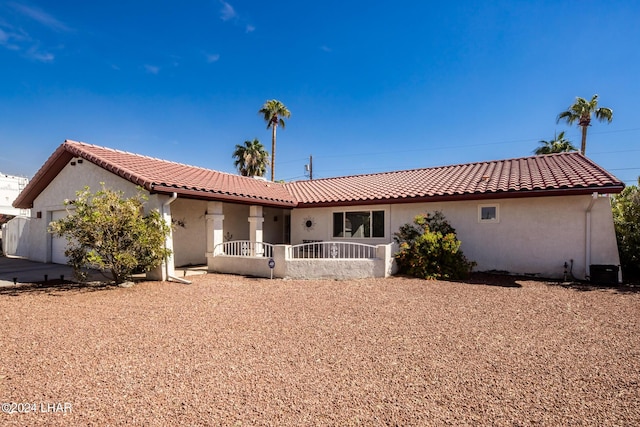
<point x="273" y="151"/>
<point x="583" y="148"/>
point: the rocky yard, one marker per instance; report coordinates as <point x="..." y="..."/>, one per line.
<point x="228" y="350"/>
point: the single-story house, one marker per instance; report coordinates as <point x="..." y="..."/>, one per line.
<point x="530" y="215"/>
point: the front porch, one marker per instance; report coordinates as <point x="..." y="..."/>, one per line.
<point x="337" y="260"/>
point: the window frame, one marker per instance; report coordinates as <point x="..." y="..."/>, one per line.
<point x="371" y="227"/>
<point x="494" y="220"/>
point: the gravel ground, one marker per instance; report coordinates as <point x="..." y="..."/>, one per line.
<point x="229" y="350"/>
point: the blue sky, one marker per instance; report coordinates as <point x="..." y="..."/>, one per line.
<point x="372" y="86"/>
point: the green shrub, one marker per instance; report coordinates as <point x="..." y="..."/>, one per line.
<point x="626" y="219"/>
<point x="430" y="249"/>
<point x="107" y="232"/>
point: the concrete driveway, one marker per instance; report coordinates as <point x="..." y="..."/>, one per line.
<point x="24" y="271"/>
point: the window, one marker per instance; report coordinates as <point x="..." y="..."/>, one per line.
<point x="489" y="213"/>
<point x="360" y="224"/>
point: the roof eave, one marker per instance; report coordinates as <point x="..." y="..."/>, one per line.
<point x="611" y="189"/>
<point x="51" y="168"/>
<point x="223" y="197"/>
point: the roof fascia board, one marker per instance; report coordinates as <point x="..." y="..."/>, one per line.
<point x="473" y="196"/>
<point x="211" y="196"/>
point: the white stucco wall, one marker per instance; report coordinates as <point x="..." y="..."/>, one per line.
<point x="533" y="235"/>
<point x="285" y="267"/>
<point x="64" y="186"/>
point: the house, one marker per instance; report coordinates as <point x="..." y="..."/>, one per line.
<point x="530" y="215"/>
<point x="10" y="188"/>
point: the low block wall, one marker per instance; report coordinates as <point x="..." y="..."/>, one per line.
<point x="245" y="266"/>
<point x="314" y="268"/>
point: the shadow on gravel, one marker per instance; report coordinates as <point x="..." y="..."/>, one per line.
<point x="503" y="281"/>
<point x="53" y="288"/>
<point x="588" y="287"/>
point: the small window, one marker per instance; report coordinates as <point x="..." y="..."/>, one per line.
<point x="488" y="213"/>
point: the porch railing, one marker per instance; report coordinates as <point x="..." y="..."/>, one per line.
<point x="247" y="248"/>
<point x="332" y="250"/>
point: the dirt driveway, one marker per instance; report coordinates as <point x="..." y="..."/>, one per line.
<point x="228" y="350"/>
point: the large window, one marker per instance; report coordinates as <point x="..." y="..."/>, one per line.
<point x="359" y="224"/>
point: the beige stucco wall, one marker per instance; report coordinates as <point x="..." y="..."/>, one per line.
<point x="533" y="235"/>
<point x="235" y="223"/>
<point x="273" y="226"/>
<point x="189" y="229"/>
<point x="322" y="228"/>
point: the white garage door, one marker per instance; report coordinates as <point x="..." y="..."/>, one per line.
<point x="58" y="244"/>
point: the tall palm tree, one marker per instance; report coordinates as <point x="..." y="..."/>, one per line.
<point x="274" y="113"/>
<point x="557" y="145"/>
<point x="581" y="112"/>
<point x="251" y="158"/>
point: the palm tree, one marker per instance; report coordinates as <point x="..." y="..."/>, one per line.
<point x="557" y="145"/>
<point x="251" y="158"/>
<point x="581" y="111"/>
<point x="274" y="113"/>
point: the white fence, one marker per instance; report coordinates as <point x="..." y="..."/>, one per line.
<point x="245" y="248"/>
<point x="332" y="250"/>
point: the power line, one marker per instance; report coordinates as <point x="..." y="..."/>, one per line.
<point x="455" y="147"/>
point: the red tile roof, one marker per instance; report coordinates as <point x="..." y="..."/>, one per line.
<point x="159" y="176"/>
<point x="566" y="173"/>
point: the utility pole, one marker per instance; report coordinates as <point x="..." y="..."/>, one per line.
<point x="309" y="167"/>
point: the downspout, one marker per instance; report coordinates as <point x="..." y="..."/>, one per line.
<point x="587" y="249"/>
<point x="166" y="243"/>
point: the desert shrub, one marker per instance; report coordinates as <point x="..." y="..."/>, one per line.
<point x="430" y="249"/>
<point x="111" y="233"/>
<point x="626" y="219"/>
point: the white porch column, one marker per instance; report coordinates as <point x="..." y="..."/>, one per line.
<point x="255" y="228"/>
<point x="215" y="220"/>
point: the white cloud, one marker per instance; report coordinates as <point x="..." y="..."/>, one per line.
<point x="213" y="57"/>
<point x="325" y="48"/>
<point x="37" y="55"/>
<point x="152" y="69"/>
<point x="227" y="12"/>
<point x="40" y="16"/>
<point x="17" y="39"/>
<point x="10" y="39"/>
